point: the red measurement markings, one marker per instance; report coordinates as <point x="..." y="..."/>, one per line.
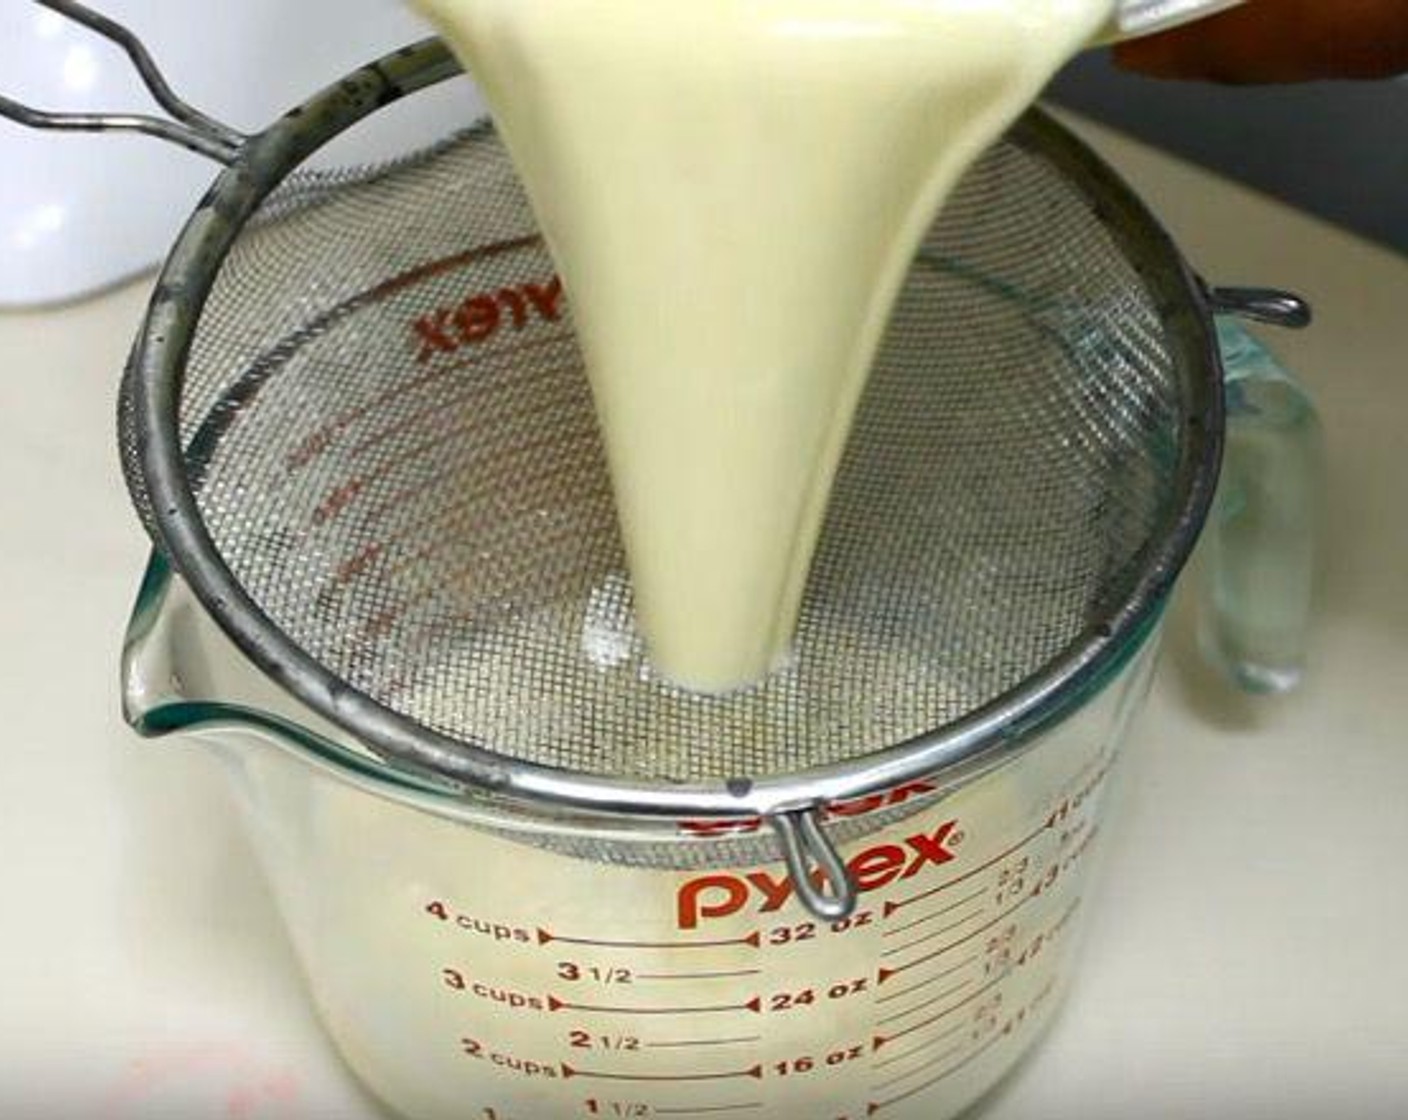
<point x="443" y="408"/>
<point x="1048" y="936"/>
<point x="938" y="1017"/>
<point x="336" y="501"/>
<point x="894" y="931"/>
<point x="382" y="622"/>
<point x="345" y="492"/>
<point x="1033" y="948"/>
<point x="933" y="934"/>
<point x="435" y="528"/>
<point x="754" y="1005"/>
<point x="877" y="1106"/>
<point x="1048" y="880"/>
<point x="361" y="562"/>
<point x="688" y="1043"/>
<point x="928" y="1063"/>
<point x="443" y="540"/>
<point x="511" y="1063"/>
<point x="357" y="565"/>
<point x="318" y="441"/>
<point x="1054" y="820"/>
<point x="428" y="271"/>
<point x="997" y="1035"/>
<point x="1101" y="770"/>
<point x="407" y="496"/>
<point x="755" y="1072"/>
<point x="545" y="937"/>
<point x="445" y="912"/>
<point x="900" y="993"/>
<point x="925" y="1045"/>
<point x="897" y="905"/>
<point x="709" y="1109"/>
<point x="889" y="973"/>
<point x="406" y="563"/>
<point x="732" y="974"/>
<point x="951" y="990"/>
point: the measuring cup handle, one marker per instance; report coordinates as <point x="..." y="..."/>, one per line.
<point x="1262" y="540"/>
<point x="829" y="892"/>
<point x="188" y="126"/>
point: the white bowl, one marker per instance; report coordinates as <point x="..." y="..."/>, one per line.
<point x="79" y="212"/>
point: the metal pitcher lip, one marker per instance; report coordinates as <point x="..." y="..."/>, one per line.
<point x="1134" y="19"/>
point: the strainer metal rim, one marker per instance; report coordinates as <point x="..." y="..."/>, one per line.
<point x="973" y="743"/>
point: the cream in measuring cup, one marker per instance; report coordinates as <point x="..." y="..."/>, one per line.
<point x="482" y="975"/>
<point x="733" y="191"/>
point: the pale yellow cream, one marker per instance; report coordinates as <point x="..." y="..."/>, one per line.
<point x="733" y="190"/>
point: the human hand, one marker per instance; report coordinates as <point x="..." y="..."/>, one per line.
<point x="1280" y="41"/>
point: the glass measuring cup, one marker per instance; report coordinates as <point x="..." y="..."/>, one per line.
<point x="471" y="959"/>
<point x="529" y="992"/>
<point x="469" y="962"/>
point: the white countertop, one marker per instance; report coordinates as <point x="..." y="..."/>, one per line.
<point x="1243" y="959"/>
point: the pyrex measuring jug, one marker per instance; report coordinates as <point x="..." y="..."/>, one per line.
<point x="472" y="960"/>
<point x="527" y="879"/>
<point x="472" y="964"/>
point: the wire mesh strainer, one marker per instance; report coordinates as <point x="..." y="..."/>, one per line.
<point x="356" y="423"/>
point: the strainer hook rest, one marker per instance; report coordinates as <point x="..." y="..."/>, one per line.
<point x="804" y="845"/>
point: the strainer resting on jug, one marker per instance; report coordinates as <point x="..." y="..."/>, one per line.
<point x="356" y="427"/>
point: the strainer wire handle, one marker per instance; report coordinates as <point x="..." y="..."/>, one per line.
<point x="822" y="882"/>
<point x="189" y="127"/>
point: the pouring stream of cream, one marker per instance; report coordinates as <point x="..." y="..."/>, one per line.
<point x="733" y="191"/>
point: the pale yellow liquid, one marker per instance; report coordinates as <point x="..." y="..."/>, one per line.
<point x="733" y="190"/>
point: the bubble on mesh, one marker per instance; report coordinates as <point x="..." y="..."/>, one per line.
<point x="396" y="455"/>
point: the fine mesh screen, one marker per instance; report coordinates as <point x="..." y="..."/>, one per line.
<point x="394" y="450"/>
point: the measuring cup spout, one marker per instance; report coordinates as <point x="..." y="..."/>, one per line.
<point x="180" y="673"/>
<point x="156" y="688"/>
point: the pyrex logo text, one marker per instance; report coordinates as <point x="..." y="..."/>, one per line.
<point x="481" y="315"/>
<point x="719" y="896"/>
